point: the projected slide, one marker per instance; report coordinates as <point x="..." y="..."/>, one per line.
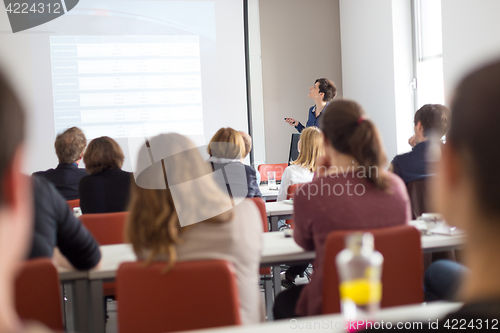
<point x="125" y="86"/>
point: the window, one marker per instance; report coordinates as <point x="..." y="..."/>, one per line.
<point x="428" y="47"/>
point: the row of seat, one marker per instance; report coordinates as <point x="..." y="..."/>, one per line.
<point x="146" y="294"/>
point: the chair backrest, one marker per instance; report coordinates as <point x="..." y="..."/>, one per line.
<point x="73" y="203"/>
<point x="261" y="205"/>
<point x="107" y="228"/>
<point x="193" y="295"/>
<point x="291" y="190"/>
<point x="419" y="199"/>
<point x="37" y="293"/>
<point x="402" y="272"/>
<point x="264" y="168"/>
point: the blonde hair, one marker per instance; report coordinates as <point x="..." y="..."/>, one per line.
<point x="154" y="223"/>
<point x="311" y="148"/>
<point x="235" y="148"/>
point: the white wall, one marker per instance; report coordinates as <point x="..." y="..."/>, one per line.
<point x="377" y="65"/>
<point x="470" y="37"/>
<point x="300" y="42"/>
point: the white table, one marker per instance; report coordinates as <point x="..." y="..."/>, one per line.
<point x="278" y="211"/>
<point x="268" y="194"/>
<point x="277" y="249"/>
<point x="333" y="323"/>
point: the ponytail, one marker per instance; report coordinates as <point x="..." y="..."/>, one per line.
<point x="349" y="133"/>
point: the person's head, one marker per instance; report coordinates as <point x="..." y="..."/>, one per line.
<point x="168" y="196"/>
<point x="247" y="139"/>
<point x="310" y="148"/>
<point x="431" y="119"/>
<point x="69" y="145"/>
<point x="15" y="201"/>
<point x="348" y="134"/>
<point x="468" y="177"/>
<point x="103" y="153"/>
<point x="226" y="143"/>
<point x="323" y="89"/>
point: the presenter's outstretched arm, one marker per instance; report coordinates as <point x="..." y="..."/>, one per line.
<point x="295" y="123"/>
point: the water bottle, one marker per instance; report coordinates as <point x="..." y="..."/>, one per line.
<point x="360" y="268"/>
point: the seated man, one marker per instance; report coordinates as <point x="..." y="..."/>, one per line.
<point x="56" y="226"/>
<point x="15" y="208"/>
<point x="430" y="119"/>
<point x="66" y="176"/>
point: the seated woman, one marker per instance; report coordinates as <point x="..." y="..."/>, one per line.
<point x="302" y="170"/>
<point x="226" y="150"/>
<point x="106" y="188"/>
<point x="192" y="219"/>
<point x="352" y="191"/>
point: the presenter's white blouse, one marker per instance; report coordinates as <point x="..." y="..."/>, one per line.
<point x="293" y="174"/>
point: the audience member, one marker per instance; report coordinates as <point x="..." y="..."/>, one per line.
<point x="192" y="219"/>
<point x="56" y="226"/>
<point x="465" y="193"/>
<point x="430" y="119"/>
<point x="442" y="280"/>
<point x="247" y="139"/>
<point x="15" y="208"/>
<point x="66" y="176"/>
<point x="352" y="191"/>
<point x="226" y="150"/>
<point x="302" y="170"/>
<point x="106" y="188"/>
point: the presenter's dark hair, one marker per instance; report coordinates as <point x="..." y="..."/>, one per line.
<point x="349" y="132"/>
<point x="69" y="145"/>
<point x="474" y="134"/>
<point x="435" y="118"/>
<point x="12" y="122"/>
<point x="328" y="88"/>
<point x="103" y="153"/>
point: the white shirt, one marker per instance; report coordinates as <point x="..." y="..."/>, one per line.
<point x="238" y="241"/>
<point x="293" y="174"/>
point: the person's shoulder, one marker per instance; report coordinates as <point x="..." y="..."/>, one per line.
<point x="44" y="172"/>
<point x="249" y="168"/>
<point x="81" y="171"/>
<point x="247" y="205"/>
<point x="87" y="179"/>
<point x="396" y="184"/>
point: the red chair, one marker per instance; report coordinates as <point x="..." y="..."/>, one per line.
<point x="402" y="272"/>
<point x="153" y="301"/>
<point x="37" y="293"/>
<point x="261" y="205"/>
<point x="292" y="189"/>
<point x="107" y="229"/>
<point x="264" y="168"/>
<point x="73" y="203"/>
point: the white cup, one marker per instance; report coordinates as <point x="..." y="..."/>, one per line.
<point x="77" y="211"/>
<point x="271" y="180"/>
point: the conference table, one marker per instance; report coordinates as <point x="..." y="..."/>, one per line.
<point x="85" y="289"/>
<point x="267" y="194"/>
<point x="278" y="211"/>
<point x="413" y="316"/>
